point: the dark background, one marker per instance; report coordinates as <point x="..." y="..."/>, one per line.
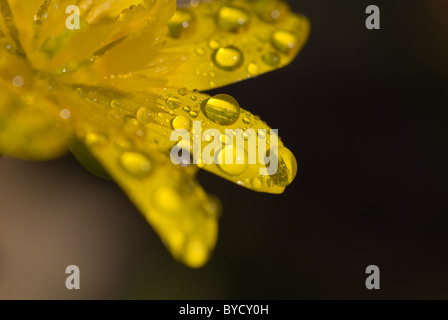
<point x="364" y="112"/>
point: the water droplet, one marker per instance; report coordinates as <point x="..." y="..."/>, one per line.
<point x="182" y="24"/>
<point x="233" y="169"/>
<point x="246" y="120"/>
<point x="214" y="44"/>
<point x="283" y="41"/>
<point x="125" y="15"/>
<point x="95" y="139"/>
<point x="18" y="81"/>
<point x="200" y="52"/>
<point x="256" y="183"/>
<point x="135" y="163"/>
<point x="187" y="109"/>
<point x="167" y="199"/>
<point x="212" y="84"/>
<point x="271" y="10"/>
<point x="115" y="104"/>
<point x="232" y="19"/>
<point x="252" y="69"/>
<point x="287" y="168"/>
<point x="194" y="114"/>
<point x="183" y="91"/>
<point x="228" y="58"/>
<point x="271" y="59"/>
<point x="173" y="102"/>
<point x="194" y="98"/>
<point x="222" y="109"/>
<point x="196" y="253"/>
<point x="144" y="115"/>
<point x="160" y="115"/>
<point x="181" y="122"/>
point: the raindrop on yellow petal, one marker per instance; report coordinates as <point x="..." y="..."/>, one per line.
<point x="173" y="102"/>
<point x="183" y="91"/>
<point x="181" y="122"/>
<point x="283" y="41"/>
<point x="252" y="69"/>
<point x="228" y="58"/>
<point x="144" y="115"/>
<point x="271" y="10"/>
<point x="222" y="109"/>
<point x="167" y="199"/>
<point x="181" y="24"/>
<point x="115" y="104"/>
<point x="196" y="253"/>
<point x="287" y="168"/>
<point x="135" y="163"/>
<point x="256" y="183"/>
<point x="95" y="139"/>
<point x="246" y="120"/>
<point x="232" y="19"/>
<point x="233" y="169"/>
<point x="271" y="59"/>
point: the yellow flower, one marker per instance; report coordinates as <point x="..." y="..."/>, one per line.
<point x="115" y="87"/>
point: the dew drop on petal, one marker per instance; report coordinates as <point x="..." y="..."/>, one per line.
<point x="181" y="24"/>
<point x="256" y="183"/>
<point x="221" y="109"/>
<point x="271" y="59"/>
<point x="228" y="58"/>
<point x="193" y="114"/>
<point x="94" y="139"/>
<point x="167" y="199"/>
<point x="283" y="41"/>
<point x="115" y="104"/>
<point x="246" y="120"/>
<point x="232" y="169"/>
<point x="252" y="69"/>
<point x="287" y="168"/>
<point x="173" y="102"/>
<point x="183" y="91"/>
<point x="144" y="115"/>
<point x="195" y="254"/>
<point x="136" y="164"/>
<point x="180" y="122"/>
<point x="232" y="19"/>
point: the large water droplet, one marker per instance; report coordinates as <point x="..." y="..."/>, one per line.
<point x="233" y="169"/>
<point x="181" y="24"/>
<point x="135" y="163"/>
<point x="283" y="41"/>
<point x="232" y="19"/>
<point x="221" y="109"/>
<point x="287" y="168"/>
<point x="228" y="58"/>
<point x="181" y="122"/>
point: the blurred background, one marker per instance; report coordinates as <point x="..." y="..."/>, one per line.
<point x="366" y="115"/>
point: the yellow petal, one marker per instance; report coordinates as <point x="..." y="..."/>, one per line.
<point x="227" y="41"/>
<point x="168" y="196"/>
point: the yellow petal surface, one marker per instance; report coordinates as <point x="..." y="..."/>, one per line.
<point x="223" y="42"/>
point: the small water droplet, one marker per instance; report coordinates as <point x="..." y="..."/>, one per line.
<point x="160" y="115"/>
<point x="271" y="10"/>
<point x="136" y="164"/>
<point x="183" y="91"/>
<point x="167" y="199"/>
<point x="115" y="104"/>
<point x="194" y="114"/>
<point x="194" y="98"/>
<point x="173" y="102"/>
<point x="181" y="122"/>
<point x="222" y="109"/>
<point x="199" y="51"/>
<point x="144" y="115"/>
<point x="182" y="24"/>
<point x="252" y="69"/>
<point x="256" y="183"/>
<point x="246" y="120"/>
<point x="228" y="58"/>
<point x="214" y="44"/>
<point x="232" y="19"/>
<point x="271" y="59"/>
<point x="187" y="109"/>
<point x="283" y="41"/>
<point x="94" y="139"/>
